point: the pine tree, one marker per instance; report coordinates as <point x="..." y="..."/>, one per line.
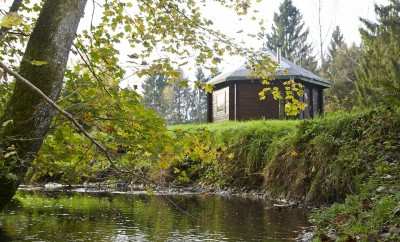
<point x="378" y="79"/>
<point x="336" y="43"/>
<point x="341" y="66"/>
<point x="153" y="88"/>
<point x="176" y="104"/>
<point x="199" y="111"/>
<point x="289" y="34"/>
<point x="175" y="96"/>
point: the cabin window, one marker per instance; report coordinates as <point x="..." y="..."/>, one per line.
<point x="221" y="100"/>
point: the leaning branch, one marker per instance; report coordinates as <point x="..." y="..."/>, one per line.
<point x="69" y="116"/>
<point x="79" y="127"/>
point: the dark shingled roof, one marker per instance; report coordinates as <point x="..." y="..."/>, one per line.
<point x="286" y="70"/>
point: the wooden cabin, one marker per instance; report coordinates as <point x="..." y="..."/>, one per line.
<point x="236" y="94"/>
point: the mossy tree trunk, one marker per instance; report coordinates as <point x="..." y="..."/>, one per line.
<point x="51" y="41"/>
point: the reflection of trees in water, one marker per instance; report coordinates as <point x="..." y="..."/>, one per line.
<point x="149" y="218"/>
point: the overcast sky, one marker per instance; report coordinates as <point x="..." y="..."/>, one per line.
<point x="345" y="13"/>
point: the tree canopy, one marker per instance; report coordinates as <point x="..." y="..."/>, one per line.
<point x="379" y="73"/>
<point x="162" y="36"/>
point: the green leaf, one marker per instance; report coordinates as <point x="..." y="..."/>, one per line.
<point x="208" y="88"/>
<point x="12" y="176"/>
<point x="39" y="62"/>
<point x="10" y="20"/>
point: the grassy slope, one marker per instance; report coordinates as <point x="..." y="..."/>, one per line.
<point x="349" y="158"/>
<point x="241" y="152"/>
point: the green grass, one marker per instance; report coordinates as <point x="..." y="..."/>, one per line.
<point x="241" y="151"/>
<point x="238" y="125"/>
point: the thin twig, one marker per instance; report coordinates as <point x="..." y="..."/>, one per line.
<point x="91" y="68"/>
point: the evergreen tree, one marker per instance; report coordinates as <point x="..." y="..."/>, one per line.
<point x="153" y="88"/>
<point x="199" y="110"/>
<point x="177" y="102"/>
<point x="341" y="70"/>
<point x="378" y="79"/>
<point x="176" y="96"/>
<point x="337" y="42"/>
<point x="177" y="112"/>
<point x="289" y="34"/>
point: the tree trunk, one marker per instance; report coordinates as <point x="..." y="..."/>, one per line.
<point x="31" y="116"/>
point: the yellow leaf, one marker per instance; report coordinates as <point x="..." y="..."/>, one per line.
<point x="39" y="63"/>
<point x="208" y="88"/>
<point x="10" y="20"/>
<point x="164" y="165"/>
<point x="231" y="156"/>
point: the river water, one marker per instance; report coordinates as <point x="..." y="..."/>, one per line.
<point x="69" y="216"/>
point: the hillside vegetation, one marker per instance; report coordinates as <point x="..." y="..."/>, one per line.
<point x="350" y="158"/>
<point x="346" y="157"/>
<point x="227" y="154"/>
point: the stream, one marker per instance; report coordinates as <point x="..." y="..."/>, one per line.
<point x="73" y="216"/>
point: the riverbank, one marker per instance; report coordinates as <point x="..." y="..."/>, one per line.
<point x="350" y="160"/>
<point x="137" y="189"/>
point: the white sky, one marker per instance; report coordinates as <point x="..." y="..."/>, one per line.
<point x="345" y="13"/>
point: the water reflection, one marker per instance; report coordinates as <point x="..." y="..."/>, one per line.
<point x="105" y="217"/>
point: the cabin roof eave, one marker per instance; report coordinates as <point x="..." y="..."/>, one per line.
<point x="324" y="84"/>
